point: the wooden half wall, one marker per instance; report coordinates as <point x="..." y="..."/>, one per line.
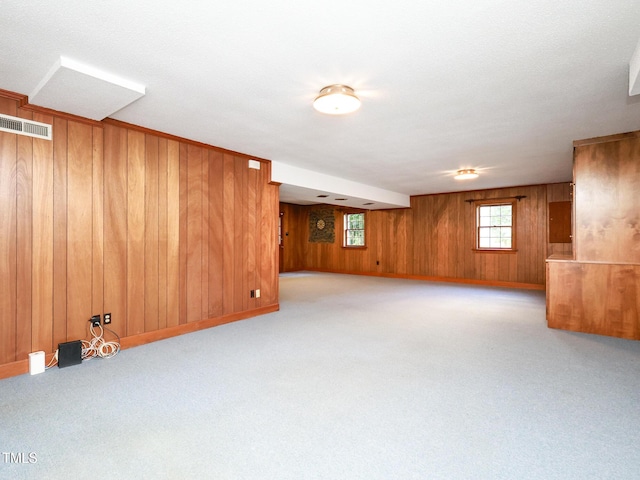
<point x="166" y="234"/>
<point x="434" y="239"/>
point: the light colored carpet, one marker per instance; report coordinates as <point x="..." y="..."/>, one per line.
<point x="355" y="378"/>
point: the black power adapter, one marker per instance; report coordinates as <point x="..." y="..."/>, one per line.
<point x="95" y="320"/>
<point x="69" y="353"/>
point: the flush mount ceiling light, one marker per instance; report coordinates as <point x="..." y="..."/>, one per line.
<point x="466" y="174"/>
<point x="336" y="100"/>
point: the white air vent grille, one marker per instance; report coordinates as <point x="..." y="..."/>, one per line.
<point x="24" y="127"/>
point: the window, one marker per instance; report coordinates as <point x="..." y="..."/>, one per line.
<point x="354" y="230"/>
<point x="496" y="226"/>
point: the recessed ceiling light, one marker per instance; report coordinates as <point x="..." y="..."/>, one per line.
<point x="339" y="199"/>
<point x="323" y="196"/>
<point x="336" y="100"/>
<point x="466" y="174"/>
<point x="368" y="203"/>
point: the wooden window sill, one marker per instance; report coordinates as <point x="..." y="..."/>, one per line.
<point x="494" y="250"/>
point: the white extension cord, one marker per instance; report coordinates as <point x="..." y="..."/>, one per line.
<point x="96" y="347"/>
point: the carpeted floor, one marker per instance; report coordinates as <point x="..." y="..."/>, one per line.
<point x="354" y="378"/>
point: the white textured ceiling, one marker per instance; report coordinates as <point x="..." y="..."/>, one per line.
<point x="500" y="86"/>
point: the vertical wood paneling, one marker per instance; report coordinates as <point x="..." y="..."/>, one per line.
<point x="173" y="233"/>
<point x="241" y="293"/>
<point x="182" y="242"/>
<point x="229" y="234"/>
<point x="151" y="238"/>
<point x="79" y="229"/>
<point x="216" y="228"/>
<point x="42" y="219"/>
<point x="194" y="234"/>
<point x="97" y="295"/>
<point x="261" y="180"/>
<point x="59" y="231"/>
<point x="269" y="244"/>
<point x="436" y="238"/>
<point x="115" y="226"/>
<point x="135" y="232"/>
<point x="606" y="190"/>
<point x="115" y="219"/>
<point x="24" y="244"/>
<point x="204" y="277"/>
<point x="250" y="236"/>
<point x="163" y="253"/>
<point x="8" y="156"/>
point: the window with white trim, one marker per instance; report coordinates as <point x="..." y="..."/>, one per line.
<point x="496" y="225"/>
<point x="354" y="230"/>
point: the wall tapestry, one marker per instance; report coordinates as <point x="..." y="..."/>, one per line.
<point x="322" y="226"/>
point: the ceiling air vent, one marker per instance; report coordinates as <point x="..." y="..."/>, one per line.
<point x="24" y="127"/>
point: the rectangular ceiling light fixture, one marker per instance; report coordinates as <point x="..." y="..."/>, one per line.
<point x="79" y="89"/>
<point x="22" y="126"/>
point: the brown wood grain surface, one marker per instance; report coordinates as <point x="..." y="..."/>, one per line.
<point x="433" y="238"/>
<point x="108" y="217"/>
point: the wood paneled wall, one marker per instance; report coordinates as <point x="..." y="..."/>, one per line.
<point x="435" y="238"/>
<point x="559" y="192"/>
<point x="294" y="235"/>
<point x="607" y="191"/>
<point x="599" y="290"/>
<point x="158" y="231"/>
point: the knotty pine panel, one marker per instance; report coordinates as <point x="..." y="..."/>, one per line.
<point x="607" y="220"/>
<point x="113" y="218"/>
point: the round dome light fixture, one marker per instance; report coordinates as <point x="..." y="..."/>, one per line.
<point x="466" y="174"/>
<point x="336" y="100"/>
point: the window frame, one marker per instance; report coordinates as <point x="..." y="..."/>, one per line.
<point x="345" y="230"/>
<point x="495" y="203"/>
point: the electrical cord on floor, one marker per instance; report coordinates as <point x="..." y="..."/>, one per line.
<point x="53" y="362"/>
<point x="98" y="346"/>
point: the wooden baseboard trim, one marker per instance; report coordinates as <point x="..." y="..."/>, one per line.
<point x="469" y="281"/>
<point x="21" y="367"/>
<point x="148" y="337"/>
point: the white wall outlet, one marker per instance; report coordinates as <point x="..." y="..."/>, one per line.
<point x="258" y="293"/>
<point x="36" y="362"/>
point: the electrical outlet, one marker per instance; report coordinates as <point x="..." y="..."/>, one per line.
<point x="253" y="294"/>
<point x="107" y="318"/>
<point x="95" y="320"/>
<point x="258" y="293"/>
